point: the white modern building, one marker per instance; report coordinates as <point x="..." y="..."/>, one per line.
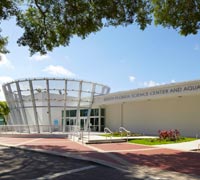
<point x="50" y="104"/>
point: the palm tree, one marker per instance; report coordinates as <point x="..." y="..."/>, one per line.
<point x="4" y="110"/>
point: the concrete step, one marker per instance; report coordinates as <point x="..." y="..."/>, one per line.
<point x="101" y="141"/>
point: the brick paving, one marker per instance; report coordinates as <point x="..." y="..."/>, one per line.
<point x="120" y="146"/>
<point x="59" y="145"/>
<point x="119" y="154"/>
<point x="183" y="162"/>
<point x="166" y="159"/>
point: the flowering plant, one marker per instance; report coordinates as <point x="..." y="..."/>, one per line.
<point x="169" y="134"/>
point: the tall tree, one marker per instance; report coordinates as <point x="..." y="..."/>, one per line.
<point x="7" y="9"/>
<point x="48" y="23"/>
<point x="4" y="110"/>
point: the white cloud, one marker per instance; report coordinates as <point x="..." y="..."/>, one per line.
<point x="151" y="83"/>
<point x="4" y="62"/>
<point x="3" y="79"/>
<point x="131" y="78"/>
<point x="39" y="57"/>
<point x="58" y="70"/>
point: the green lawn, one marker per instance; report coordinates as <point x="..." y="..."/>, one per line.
<point x="158" y="141"/>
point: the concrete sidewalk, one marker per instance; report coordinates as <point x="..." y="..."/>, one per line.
<point x="185" y="146"/>
<point x="144" y="161"/>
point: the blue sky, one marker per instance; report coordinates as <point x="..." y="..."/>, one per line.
<point x="123" y="58"/>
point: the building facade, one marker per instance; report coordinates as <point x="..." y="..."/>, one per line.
<point x="50" y="104"/>
<point x="63" y="102"/>
<point x="147" y="110"/>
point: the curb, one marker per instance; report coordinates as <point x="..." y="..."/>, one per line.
<point x="68" y="155"/>
<point x="153" y="173"/>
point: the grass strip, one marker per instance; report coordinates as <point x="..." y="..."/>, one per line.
<point x="157" y="141"/>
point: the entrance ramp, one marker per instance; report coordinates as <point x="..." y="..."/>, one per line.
<point x="95" y="138"/>
<point x="109" y="137"/>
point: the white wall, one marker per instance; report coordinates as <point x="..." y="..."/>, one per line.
<point x="113" y="117"/>
<point x="182" y="113"/>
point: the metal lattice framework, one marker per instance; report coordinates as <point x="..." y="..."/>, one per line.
<point x="35" y="102"/>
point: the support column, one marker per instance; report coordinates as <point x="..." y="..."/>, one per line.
<point x="22" y="106"/>
<point x="103" y="89"/>
<point x="49" y="106"/>
<point x="90" y="106"/>
<point x="34" y="105"/>
<point x="108" y="90"/>
<point x="12" y="101"/>
<point x="78" y="106"/>
<point x="18" y="109"/>
<point x="99" y="124"/>
<point x="65" y="104"/>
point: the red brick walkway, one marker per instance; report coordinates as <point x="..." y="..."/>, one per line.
<point x="60" y="145"/>
<point x="165" y="159"/>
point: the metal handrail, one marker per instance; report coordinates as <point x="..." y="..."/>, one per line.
<point x="73" y="132"/>
<point x="108" y="131"/>
<point x="121" y="129"/>
<point x="15" y="129"/>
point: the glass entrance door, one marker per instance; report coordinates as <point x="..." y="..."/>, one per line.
<point x="83" y="123"/>
<point x="71" y="121"/>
